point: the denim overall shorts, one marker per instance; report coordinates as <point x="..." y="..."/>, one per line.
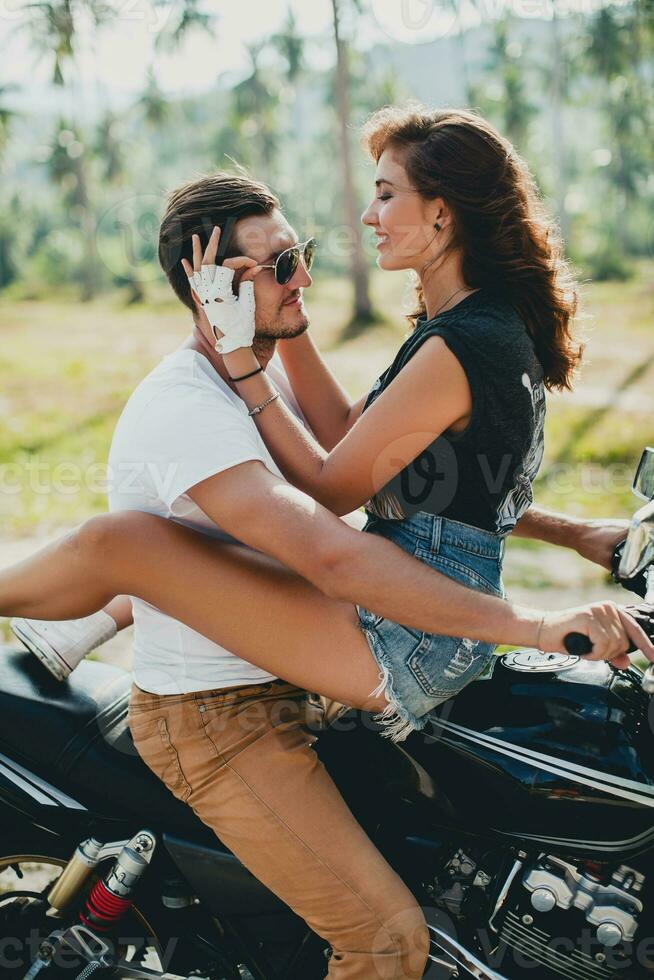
<point x="418" y="670"/>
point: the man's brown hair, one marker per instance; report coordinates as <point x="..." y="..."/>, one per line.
<point x="194" y="208"/>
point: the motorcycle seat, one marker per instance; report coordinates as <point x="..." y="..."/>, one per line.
<point x="74" y="734"/>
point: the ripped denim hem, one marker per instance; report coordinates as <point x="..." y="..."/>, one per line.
<point x="396" y="721"/>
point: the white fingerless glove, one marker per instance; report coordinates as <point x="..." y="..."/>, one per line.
<point x="232" y="316"/>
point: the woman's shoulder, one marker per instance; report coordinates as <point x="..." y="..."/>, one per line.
<point x="483" y="320"/>
<point x="482" y="309"/>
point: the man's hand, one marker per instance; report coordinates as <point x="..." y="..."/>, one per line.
<point x="230" y="318"/>
<point x="610" y="628"/>
<point x="598" y="540"/>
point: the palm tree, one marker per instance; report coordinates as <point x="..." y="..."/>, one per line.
<point x="189" y="18"/>
<point x="53" y="27"/>
<point x="290" y="44"/>
<point x="363" y="312"/>
<point x="67" y="165"/>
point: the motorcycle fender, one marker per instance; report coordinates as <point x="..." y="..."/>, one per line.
<point x="220" y="880"/>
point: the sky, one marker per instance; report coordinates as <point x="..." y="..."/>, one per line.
<point x="112" y="64"/>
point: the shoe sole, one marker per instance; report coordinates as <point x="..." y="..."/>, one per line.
<point x="51" y="660"/>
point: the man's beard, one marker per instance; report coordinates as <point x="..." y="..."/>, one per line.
<point x="284" y="333"/>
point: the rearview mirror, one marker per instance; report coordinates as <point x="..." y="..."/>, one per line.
<point x="643" y="485"/>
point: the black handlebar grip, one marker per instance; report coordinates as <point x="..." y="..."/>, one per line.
<point x="577" y="644"/>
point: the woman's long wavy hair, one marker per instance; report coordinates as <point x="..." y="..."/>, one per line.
<point x="508" y="243"/>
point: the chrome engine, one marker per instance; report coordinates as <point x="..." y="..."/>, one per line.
<point x="570" y="920"/>
<point x="611" y="908"/>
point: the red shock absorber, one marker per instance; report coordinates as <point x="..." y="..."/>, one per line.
<point x="102" y="908"/>
<point x="112" y="896"/>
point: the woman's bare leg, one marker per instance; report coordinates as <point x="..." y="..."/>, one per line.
<point x="249" y="603"/>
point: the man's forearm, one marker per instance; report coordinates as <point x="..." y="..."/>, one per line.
<point x="554" y="528"/>
<point x="382" y="577"/>
<point x="323" y="400"/>
<point x="595" y="540"/>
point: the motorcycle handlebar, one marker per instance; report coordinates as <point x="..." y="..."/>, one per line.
<point x="578" y="644"/>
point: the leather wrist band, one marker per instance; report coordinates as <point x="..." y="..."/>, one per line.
<point x="244" y="376"/>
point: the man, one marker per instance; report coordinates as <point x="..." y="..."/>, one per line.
<point x="181" y="446"/>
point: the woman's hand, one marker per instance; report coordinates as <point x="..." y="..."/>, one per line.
<point x="610" y="628"/>
<point x="229" y="318"/>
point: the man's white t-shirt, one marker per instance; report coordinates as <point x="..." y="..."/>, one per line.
<point x="181" y="425"/>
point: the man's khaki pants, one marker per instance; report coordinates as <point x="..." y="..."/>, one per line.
<point x="242" y="758"/>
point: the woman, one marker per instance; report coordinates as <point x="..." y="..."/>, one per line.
<point x="444" y="449"/>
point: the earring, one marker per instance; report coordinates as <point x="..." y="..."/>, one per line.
<point x="437" y="226"/>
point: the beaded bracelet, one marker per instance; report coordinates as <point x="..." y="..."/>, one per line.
<point x="260" y="408"/>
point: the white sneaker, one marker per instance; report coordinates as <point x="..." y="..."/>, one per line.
<point x="62" y="645"/>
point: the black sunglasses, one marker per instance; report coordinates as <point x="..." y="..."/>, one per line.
<point x="286" y="262"/>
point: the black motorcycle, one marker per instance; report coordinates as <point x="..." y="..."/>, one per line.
<point x="522" y="818"/>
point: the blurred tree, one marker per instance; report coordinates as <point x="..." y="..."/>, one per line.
<point x="10" y="221"/>
<point x="614" y="56"/>
<point x="108" y="148"/>
<point x="456" y="9"/>
<point x="290" y="44"/>
<point x="67" y="164"/>
<point x="506" y="64"/>
<point x="255" y="112"/>
<point x="6" y="115"/>
<point x="228" y="141"/>
<point x="373" y="83"/>
<point x="53" y="25"/>
<point x="153" y="103"/>
<point x="363" y="312"/>
<point x="188" y="17"/>
<point x="109" y="154"/>
<point x="607" y="47"/>
<point x="558" y="72"/>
